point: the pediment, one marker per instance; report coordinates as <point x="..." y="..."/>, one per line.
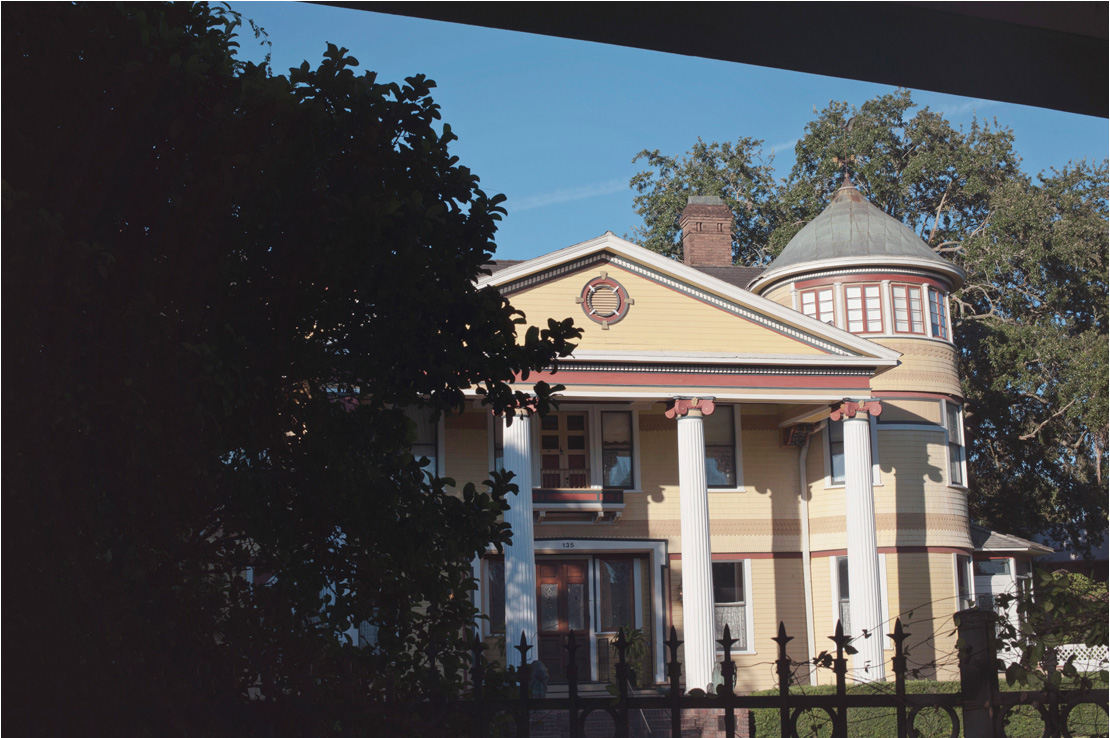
<point x="637" y="305"/>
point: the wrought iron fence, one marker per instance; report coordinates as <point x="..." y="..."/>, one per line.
<point x="979" y="710"/>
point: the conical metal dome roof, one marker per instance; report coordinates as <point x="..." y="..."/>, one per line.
<point x="853" y="232"/>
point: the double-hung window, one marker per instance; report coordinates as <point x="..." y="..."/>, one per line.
<point x="730" y="601"/>
<point x="427" y="442"/>
<point x="495" y="594"/>
<point x="865" y="308"/>
<point x="938" y="313"/>
<point x="834" y="432"/>
<point x="841" y="589"/>
<point x="953" y="423"/>
<point x="908" y="315"/>
<point x="722" y="458"/>
<point x="964" y="596"/>
<point x="818" y="304"/>
<point x="578" y="449"/>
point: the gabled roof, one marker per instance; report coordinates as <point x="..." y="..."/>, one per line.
<point x="853" y="232"/>
<point x="987" y="540"/>
<point x="852" y="349"/>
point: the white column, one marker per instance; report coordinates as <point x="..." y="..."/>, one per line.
<point x="697" y="574"/>
<point x="863" y="552"/>
<point x="520" y="555"/>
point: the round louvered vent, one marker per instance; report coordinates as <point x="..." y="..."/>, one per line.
<point x="604" y="300"/>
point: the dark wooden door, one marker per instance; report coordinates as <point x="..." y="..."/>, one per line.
<point x="563" y="604"/>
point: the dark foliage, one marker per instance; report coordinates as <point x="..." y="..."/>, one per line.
<point x="210" y="265"/>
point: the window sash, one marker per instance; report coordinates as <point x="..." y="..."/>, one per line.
<point x="618" y="598"/>
<point x="818" y="304"/>
<point x="865" y="308"/>
<point x="908" y="316"/>
<point x="616" y="450"/>
<point x="730" y="602"/>
<point x="836" y="451"/>
<point x="938" y="313"/>
<point x="720" y="448"/>
<point x="954" y="425"/>
<point x="495" y="585"/>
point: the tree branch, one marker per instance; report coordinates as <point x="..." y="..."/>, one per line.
<point x="1047" y="420"/>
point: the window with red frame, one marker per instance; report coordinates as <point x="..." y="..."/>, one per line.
<point x="938" y="313"/>
<point x="865" y="308"/>
<point x="908" y="316"/>
<point x="819" y="304"/>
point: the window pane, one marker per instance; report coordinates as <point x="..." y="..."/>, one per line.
<point x="992" y="567"/>
<point x="719" y="427"/>
<point x="938" y="308"/>
<point x="616" y="449"/>
<point x="836" y="451"/>
<point x="617" y="603"/>
<point x="496" y="612"/>
<point x="734" y="616"/>
<point x="720" y="447"/>
<point x="842" y="576"/>
<point x="549" y="607"/>
<point x="728" y="582"/>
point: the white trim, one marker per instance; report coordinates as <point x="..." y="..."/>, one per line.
<point x="728" y="358"/>
<point x="886" y="263"/>
<point x="637" y="588"/>
<point x="888" y="644"/>
<point x="840" y="307"/>
<point x="887" y="306"/>
<point x="969" y="573"/>
<point x="690" y="275"/>
<point x="947" y="440"/>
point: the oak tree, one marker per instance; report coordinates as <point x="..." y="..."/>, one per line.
<point x="1031" y="322"/>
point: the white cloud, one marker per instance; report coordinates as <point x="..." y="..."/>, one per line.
<point x="567" y="195"/>
<point x="784" y="146"/>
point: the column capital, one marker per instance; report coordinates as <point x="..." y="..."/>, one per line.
<point x="848" y="408"/>
<point x="679" y="407"/>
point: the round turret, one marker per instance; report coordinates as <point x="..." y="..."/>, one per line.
<point x="855" y="267"/>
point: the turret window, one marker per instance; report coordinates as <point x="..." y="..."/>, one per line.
<point x="818" y="304"/>
<point x="908" y="315"/>
<point x="938" y="313"/>
<point x="865" y="308"/>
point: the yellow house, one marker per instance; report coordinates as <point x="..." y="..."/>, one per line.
<point x="736" y="446"/>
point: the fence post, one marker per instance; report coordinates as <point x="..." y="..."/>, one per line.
<point x="782" y="665"/>
<point x="674" y="673"/>
<point x="978" y="672"/>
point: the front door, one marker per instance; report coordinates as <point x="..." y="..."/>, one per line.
<point x="563" y="602"/>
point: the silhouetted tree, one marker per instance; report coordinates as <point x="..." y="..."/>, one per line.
<point x="223" y="288"/>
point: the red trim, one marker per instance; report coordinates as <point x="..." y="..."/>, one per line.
<point x="909" y="310"/>
<point x="651" y="379"/>
<point x="745" y="555"/>
<point x="894" y="395"/>
<point x="847" y="279"/>
<point x="896" y="550"/>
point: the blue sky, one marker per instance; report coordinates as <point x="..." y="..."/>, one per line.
<point x="554" y="124"/>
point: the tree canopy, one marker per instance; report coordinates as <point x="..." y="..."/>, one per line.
<point x="1031" y="322"/>
<point x="230" y="285"/>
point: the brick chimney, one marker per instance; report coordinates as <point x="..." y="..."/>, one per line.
<point x="706" y="224"/>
